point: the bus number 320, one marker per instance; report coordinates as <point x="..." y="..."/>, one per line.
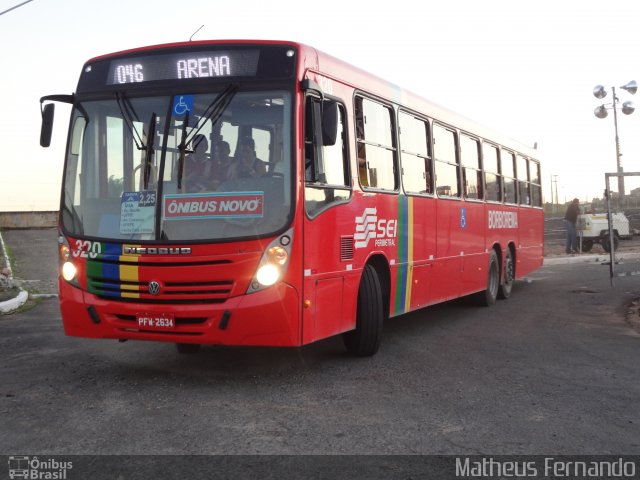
<point x="87" y="249"/>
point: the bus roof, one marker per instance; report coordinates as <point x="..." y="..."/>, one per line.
<point x="339" y="70"/>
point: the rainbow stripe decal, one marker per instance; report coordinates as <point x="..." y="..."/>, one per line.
<point x="404" y="272"/>
<point x="112" y="274"/>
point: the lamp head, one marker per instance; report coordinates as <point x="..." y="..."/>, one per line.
<point x="601" y="112"/>
<point x="599" y="91"/>
<point x="628" y="108"/>
<point x="631" y="87"/>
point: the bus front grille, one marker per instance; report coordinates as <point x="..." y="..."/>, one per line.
<point x="157" y="291"/>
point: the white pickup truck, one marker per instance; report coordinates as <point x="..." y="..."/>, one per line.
<point x="594" y="228"/>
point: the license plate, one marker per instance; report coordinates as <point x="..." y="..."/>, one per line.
<point x="156" y="321"/>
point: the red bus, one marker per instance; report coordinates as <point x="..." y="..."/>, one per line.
<point x="266" y="193"/>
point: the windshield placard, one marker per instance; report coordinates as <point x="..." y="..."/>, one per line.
<point x="214" y="205"/>
<point x="183" y="66"/>
<point x="137" y="212"/>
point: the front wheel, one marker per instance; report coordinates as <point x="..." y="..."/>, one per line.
<point x="364" y="341"/>
<point x="508" y="276"/>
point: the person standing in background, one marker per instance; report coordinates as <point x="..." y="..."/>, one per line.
<point x="570" y="219"/>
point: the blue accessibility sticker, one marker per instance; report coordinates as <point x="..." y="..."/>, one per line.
<point x="182" y="104"/>
<point x="463" y="218"/>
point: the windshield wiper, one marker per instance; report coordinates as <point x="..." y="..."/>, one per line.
<point x="213" y="112"/>
<point x="215" y="109"/>
<point x="151" y="135"/>
<point x="130" y="116"/>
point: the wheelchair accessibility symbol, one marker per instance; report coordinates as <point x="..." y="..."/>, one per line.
<point x="463" y="218"/>
<point x="182" y="104"/>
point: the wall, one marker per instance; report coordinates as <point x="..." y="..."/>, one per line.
<point x="28" y="219"/>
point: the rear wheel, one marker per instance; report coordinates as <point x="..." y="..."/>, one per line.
<point x="508" y="276"/>
<point x="488" y="296"/>
<point x="587" y="245"/>
<point x="365" y="339"/>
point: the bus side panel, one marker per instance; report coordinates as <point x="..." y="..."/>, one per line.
<point x="449" y="246"/>
<point x="475" y="259"/>
<point x="529" y="255"/>
<point x="416" y="237"/>
<point x="330" y="280"/>
<point x="502" y="227"/>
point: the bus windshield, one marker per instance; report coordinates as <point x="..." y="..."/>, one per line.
<point x="182" y="167"/>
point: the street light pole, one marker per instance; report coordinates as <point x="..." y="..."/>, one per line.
<point x="621" y="191"/>
<point x="601" y="112"/>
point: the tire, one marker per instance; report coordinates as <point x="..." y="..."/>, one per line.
<point x="188" y="348"/>
<point x="364" y="341"/>
<point x="587" y="245"/>
<point x="606" y="243"/>
<point x="487" y="297"/>
<point x="508" y="276"/>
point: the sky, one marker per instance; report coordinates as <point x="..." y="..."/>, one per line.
<point x="526" y="69"/>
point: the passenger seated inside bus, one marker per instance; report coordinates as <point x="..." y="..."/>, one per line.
<point x="246" y="163"/>
<point x="195" y="164"/>
<point x="217" y="170"/>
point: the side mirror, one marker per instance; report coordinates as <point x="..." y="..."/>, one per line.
<point x="329" y="122"/>
<point x="47" y="124"/>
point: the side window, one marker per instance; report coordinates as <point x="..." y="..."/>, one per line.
<point x="263" y="141"/>
<point x="376" y="148"/>
<point x="523" y="180"/>
<point x="446" y="163"/>
<point x="536" y="188"/>
<point x="509" y="177"/>
<point x="492" y="177"/>
<point x="415" y="154"/>
<point x="326" y="173"/>
<point x="471" y="172"/>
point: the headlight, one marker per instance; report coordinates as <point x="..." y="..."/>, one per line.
<point x="273" y="264"/>
<point x="69" y="271"/>
<point x="267" y="275"/>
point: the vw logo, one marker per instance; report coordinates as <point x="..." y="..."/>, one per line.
<point x="154" y="287"/>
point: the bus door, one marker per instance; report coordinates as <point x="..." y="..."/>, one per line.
<point x="327" y="225"/>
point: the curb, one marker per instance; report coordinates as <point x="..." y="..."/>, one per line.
<point x="582" y="258"/>
<point x="16" y="302"/>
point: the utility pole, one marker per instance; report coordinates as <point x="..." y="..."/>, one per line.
<point x="554" y="180"/>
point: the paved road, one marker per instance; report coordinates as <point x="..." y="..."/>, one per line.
<point x="552" y="370"/>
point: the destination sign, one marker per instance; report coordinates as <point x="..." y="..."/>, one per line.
<point x="183" y="66"/>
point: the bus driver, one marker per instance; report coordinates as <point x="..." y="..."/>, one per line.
<point x="247" y="164"/>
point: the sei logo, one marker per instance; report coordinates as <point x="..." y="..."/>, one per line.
<point x="369" y="227"/>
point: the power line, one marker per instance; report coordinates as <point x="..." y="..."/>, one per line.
<point x="17" y="6"/>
